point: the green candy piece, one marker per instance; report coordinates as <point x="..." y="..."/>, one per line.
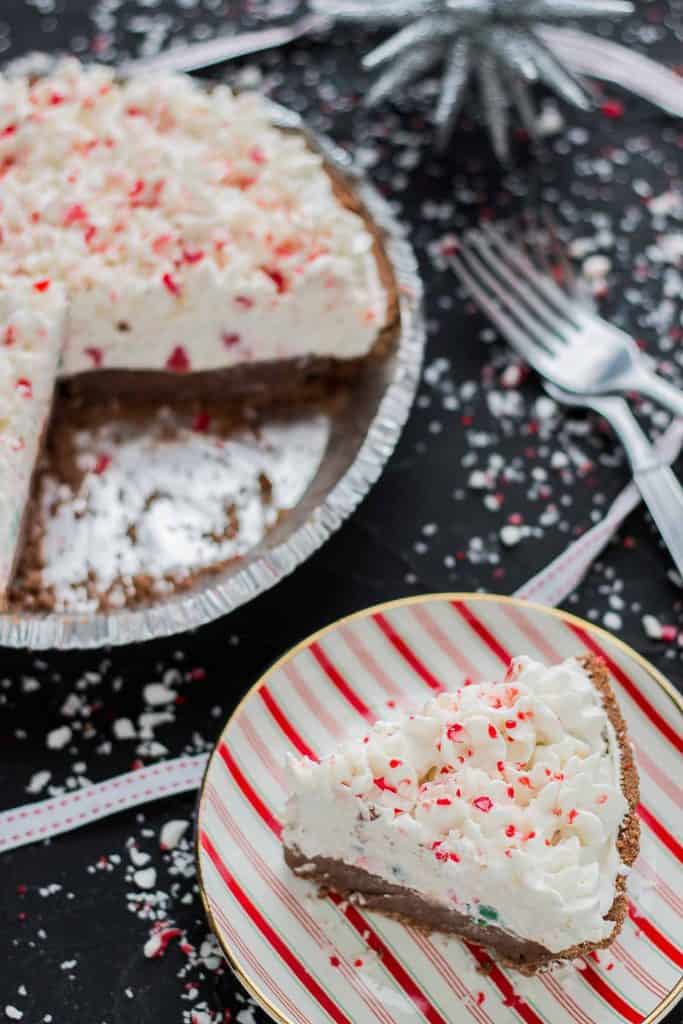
<point x="488" y="913"/>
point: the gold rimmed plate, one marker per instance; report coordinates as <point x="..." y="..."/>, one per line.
<point x="308" y="960"/>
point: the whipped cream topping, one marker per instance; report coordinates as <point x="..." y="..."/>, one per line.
<point x="500" y="800"/>
<point x="31" y="337"/>
<point x="188" y="232"/>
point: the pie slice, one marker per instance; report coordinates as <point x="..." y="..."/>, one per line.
<point x="503" y="812"/>
<point x="32" y="322"/>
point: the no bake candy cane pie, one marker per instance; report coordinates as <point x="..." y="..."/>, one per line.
<point x="503" y="812"/>
<point x="161" y="242"/>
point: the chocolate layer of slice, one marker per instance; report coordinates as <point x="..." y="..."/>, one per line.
<point x="379" y="872"/>
<point x="377" y="894"/>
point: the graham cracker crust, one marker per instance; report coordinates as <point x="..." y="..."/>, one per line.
<point x="374" y="893"/>
<point x="410" y="907"/>
<point x="255" y="385"/>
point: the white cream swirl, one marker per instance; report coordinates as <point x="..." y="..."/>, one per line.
<point x="502" y="800"/>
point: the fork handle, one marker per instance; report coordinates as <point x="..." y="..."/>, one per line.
<point x="659" y="390"/>
<point x="661" y="491"/>
<point x="663" y="496"/>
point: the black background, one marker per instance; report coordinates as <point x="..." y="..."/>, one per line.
<point x="413" y="534"/>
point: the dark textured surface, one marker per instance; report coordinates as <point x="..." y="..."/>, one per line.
<point x="73" y="921"/>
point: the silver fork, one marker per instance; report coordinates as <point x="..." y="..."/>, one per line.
<point x="528" y="320"/>
<point x="573" y="346"/>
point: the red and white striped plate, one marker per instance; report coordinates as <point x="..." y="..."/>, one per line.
<point x="309" y="960"/>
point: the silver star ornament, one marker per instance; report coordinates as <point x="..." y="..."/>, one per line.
<point x="495" y="41"/>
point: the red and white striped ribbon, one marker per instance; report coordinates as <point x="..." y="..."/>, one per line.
<point x="44" y="818"/>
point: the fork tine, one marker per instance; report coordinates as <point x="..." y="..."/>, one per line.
<point x="546" y="252"/>
<point x="537" y="332"/>
<point x="550" y="254"/>
<point x="517" y="337"/>
<point x="558" y="254"/>
<point x="573" y="285"/>
<point x="564" y="305"/>
<point x="535" y="248"/>
<point x="521" y="289"/>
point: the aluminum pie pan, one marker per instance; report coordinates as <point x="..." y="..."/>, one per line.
<point x="363" y="438"/>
